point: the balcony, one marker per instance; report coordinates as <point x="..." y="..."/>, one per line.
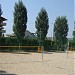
<point x="3" y="31"/>
<point x="3" y="24"/>
<point x="1" y="28"/>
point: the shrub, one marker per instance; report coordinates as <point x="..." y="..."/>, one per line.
<point x="11" y="41"/>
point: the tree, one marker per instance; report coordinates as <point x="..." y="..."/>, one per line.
<point x="74" y="31"/>
<point x="20" y="20"/>
<point x="42" y="25"/>
<point x="0" y="11"/>
<point x="61" y="31"/>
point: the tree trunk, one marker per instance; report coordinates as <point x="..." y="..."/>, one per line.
<point x="19" y="46"/>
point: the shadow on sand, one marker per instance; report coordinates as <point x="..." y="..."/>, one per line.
<point x="17" y="52"/>
<point x="2" y="72"/>
<point x="48" y="52"/>
<point x="20" y="52"/>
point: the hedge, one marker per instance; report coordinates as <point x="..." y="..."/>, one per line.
<point x="72" y="44"/>
<point x="11" y="41"/>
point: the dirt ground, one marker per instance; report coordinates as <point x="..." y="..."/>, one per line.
<point x="28" y="63"/>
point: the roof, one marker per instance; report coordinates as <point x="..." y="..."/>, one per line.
<point x="27" y="34"/>
<point x="2" y="19"/>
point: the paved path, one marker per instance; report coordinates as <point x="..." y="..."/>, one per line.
<point x="31" y="63"/>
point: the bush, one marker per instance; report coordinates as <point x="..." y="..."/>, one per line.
<point x="49" y="45"/>
<point x="72" y="45"/>
<point x="11" y="41"/>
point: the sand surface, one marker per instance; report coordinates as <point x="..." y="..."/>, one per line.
<point x="28" y="63"/>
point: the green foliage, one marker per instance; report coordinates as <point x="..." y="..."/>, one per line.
<point x="2" y="41"/>
<point x="49" y="45"/>
<point x="20" y="20"/>
<point x="8" y="41"/>
<point x="72" y="44"/>
<point x="42" y="25"/>
<point x="74" y="31"/>
<point x="61" y="31"/>
<point x="0" y="11"/>
<point x="74" y="34"/>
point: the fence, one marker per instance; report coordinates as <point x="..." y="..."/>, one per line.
<point x="14" y="44"/>
<point x="24" y="48"/>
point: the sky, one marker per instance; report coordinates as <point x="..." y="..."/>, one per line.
<point x="54" y="9"/>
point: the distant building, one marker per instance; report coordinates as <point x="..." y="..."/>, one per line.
<point x="1" y="25"/>
<point x="28" y="34"/>
<point x="2" y="31"/>
<point x="10" y="35"/>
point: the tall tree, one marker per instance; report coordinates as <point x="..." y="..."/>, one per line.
<point x="0" y="11"/>
<point x="42" y="25"/>
<point x="61" y="31"/>
<point x="20" y="20"/>
<point x="74" y="31"/>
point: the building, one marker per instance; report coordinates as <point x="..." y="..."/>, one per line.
<point x="28" y="34"/>
<point x="10" y="35"/>
<point x="2" y="24"/>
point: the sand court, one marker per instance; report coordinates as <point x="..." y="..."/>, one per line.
<point x="28" y="63"/>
